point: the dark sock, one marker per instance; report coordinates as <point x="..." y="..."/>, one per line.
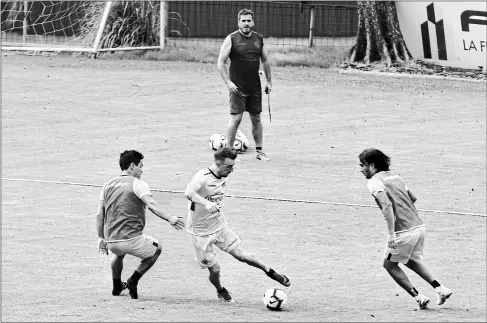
<point x="435" y="284"/>
<point x="135" y="277"/>
<point x="413" y="292"/>
<point x="271" y="272"/>
<point x="258" y="148"/>
<point x="117" y="283"/>
<point x="221" y="290"/>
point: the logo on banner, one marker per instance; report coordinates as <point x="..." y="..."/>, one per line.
<point x="467" y="20"/>
<point x="439" y="27"/>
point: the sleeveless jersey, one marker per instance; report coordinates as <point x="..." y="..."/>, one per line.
<point x="245" y="58"/>
<point x="124" y="209"/>
<point x="201" y="222"/>
<point x="405" y="214"/>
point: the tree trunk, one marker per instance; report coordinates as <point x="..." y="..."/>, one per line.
<point x="379" y="36"/>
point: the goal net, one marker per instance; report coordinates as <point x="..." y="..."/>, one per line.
<point x="82" y="26"/>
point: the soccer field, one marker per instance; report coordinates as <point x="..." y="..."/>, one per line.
<point x="306" y="213"/>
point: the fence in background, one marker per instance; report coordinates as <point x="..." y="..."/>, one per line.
<point x="91" y="25"/>
<point x="283" y="23"/>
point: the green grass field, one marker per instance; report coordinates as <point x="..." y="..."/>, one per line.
<point x="67" y="119"/>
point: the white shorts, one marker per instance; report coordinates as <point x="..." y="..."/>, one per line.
<point x="142" y="247"/>
<point x="225" y="239"/>
<point x="410" y="245"/>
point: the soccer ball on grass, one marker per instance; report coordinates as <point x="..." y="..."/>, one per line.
<point x="275" y="299"/>
<point x="241" y="142"/>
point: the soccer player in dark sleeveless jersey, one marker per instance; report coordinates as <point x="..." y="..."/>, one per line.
<point x="120" y="221"/>
<point x="246" y="50"/>
<point x="406" y="230"/>
<point x="208" y="227"/>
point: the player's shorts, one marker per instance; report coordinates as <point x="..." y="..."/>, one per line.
<point x="142" y="247"/>
<point x="225" y="239"/>
<point x="241" y="102"/>
<point x="410" y="245"/>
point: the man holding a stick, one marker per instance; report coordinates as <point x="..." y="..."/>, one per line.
<point x="246" y="50"/>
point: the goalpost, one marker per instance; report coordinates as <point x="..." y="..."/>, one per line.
<point x="83" y="26"/>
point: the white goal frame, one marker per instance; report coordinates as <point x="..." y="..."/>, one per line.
<point x="24" y="46"/>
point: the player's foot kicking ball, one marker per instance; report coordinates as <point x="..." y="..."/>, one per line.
<point x="280" y="278"/>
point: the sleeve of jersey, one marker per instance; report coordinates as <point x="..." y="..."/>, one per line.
<point x="141" y="188"/>
<point x="375" y="186"/>
<point x="195" y="185"/>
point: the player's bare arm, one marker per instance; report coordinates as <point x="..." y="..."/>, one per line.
<point x="267" y="69"/>
<point x="196" y="198"/>
<point x="222" y="59"/>
<point x="412" y="196"/>
<point x="386" y="209"/>
<point x="155" y="208"/>
<point x="100" y="223"/>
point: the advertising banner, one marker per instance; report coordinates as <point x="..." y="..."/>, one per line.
<point x="446" y="33"/>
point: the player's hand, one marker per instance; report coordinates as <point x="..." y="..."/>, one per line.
<point x="212" y="207"/>
<point x="102" y="246"/>
<point x="232" y="87"/>
<point x="176" y="222"/>
<point x="391" y="241"/>
<point x="268" y="88"/>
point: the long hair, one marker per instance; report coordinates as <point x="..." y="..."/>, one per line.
<point x="128" y="157"/>
<point x="380" y="160"/>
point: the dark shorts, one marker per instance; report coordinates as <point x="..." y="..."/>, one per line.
<point x="241" y="102"/>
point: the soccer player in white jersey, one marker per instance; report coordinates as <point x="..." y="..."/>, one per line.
<point x="406" y="231"/>
<point x="120" y="221"/>
<point x="208" y="227"/>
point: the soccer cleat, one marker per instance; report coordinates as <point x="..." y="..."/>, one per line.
<point x="132" y="289"/>
<point x="423" y="302"/>
<point x="280" y="278"/>
<point x="261" y="156"/>
<point x="225" y="296"/>
<point x="443" y="294"/>
<point x="117" y="291"/>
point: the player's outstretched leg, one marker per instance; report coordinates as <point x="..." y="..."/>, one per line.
<point x="117" y="267"/>
<point x="402" y="280"/>
<point x="241" y="255"/>
<point x="221" y="291"/>
<point x="419" y="268"/>
<point x="280" y="278"/>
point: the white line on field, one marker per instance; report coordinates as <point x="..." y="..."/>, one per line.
<point x="241" y="196"/>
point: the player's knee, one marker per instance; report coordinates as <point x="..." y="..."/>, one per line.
<point x="215" y="269"/>
<point x="158" y="251"/>
<point x="255" y="118"/>
<point x="154" y="256"/>
<point x="236" y="119"/>
<point x="388" y="265"/>
<point x="243" y="255"/>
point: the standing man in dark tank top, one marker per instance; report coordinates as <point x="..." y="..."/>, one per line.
<point x="246" y="50"/>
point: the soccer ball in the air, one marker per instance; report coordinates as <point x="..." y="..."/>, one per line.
<point x="217" y="141"/>
<point x="275" y="299"/>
